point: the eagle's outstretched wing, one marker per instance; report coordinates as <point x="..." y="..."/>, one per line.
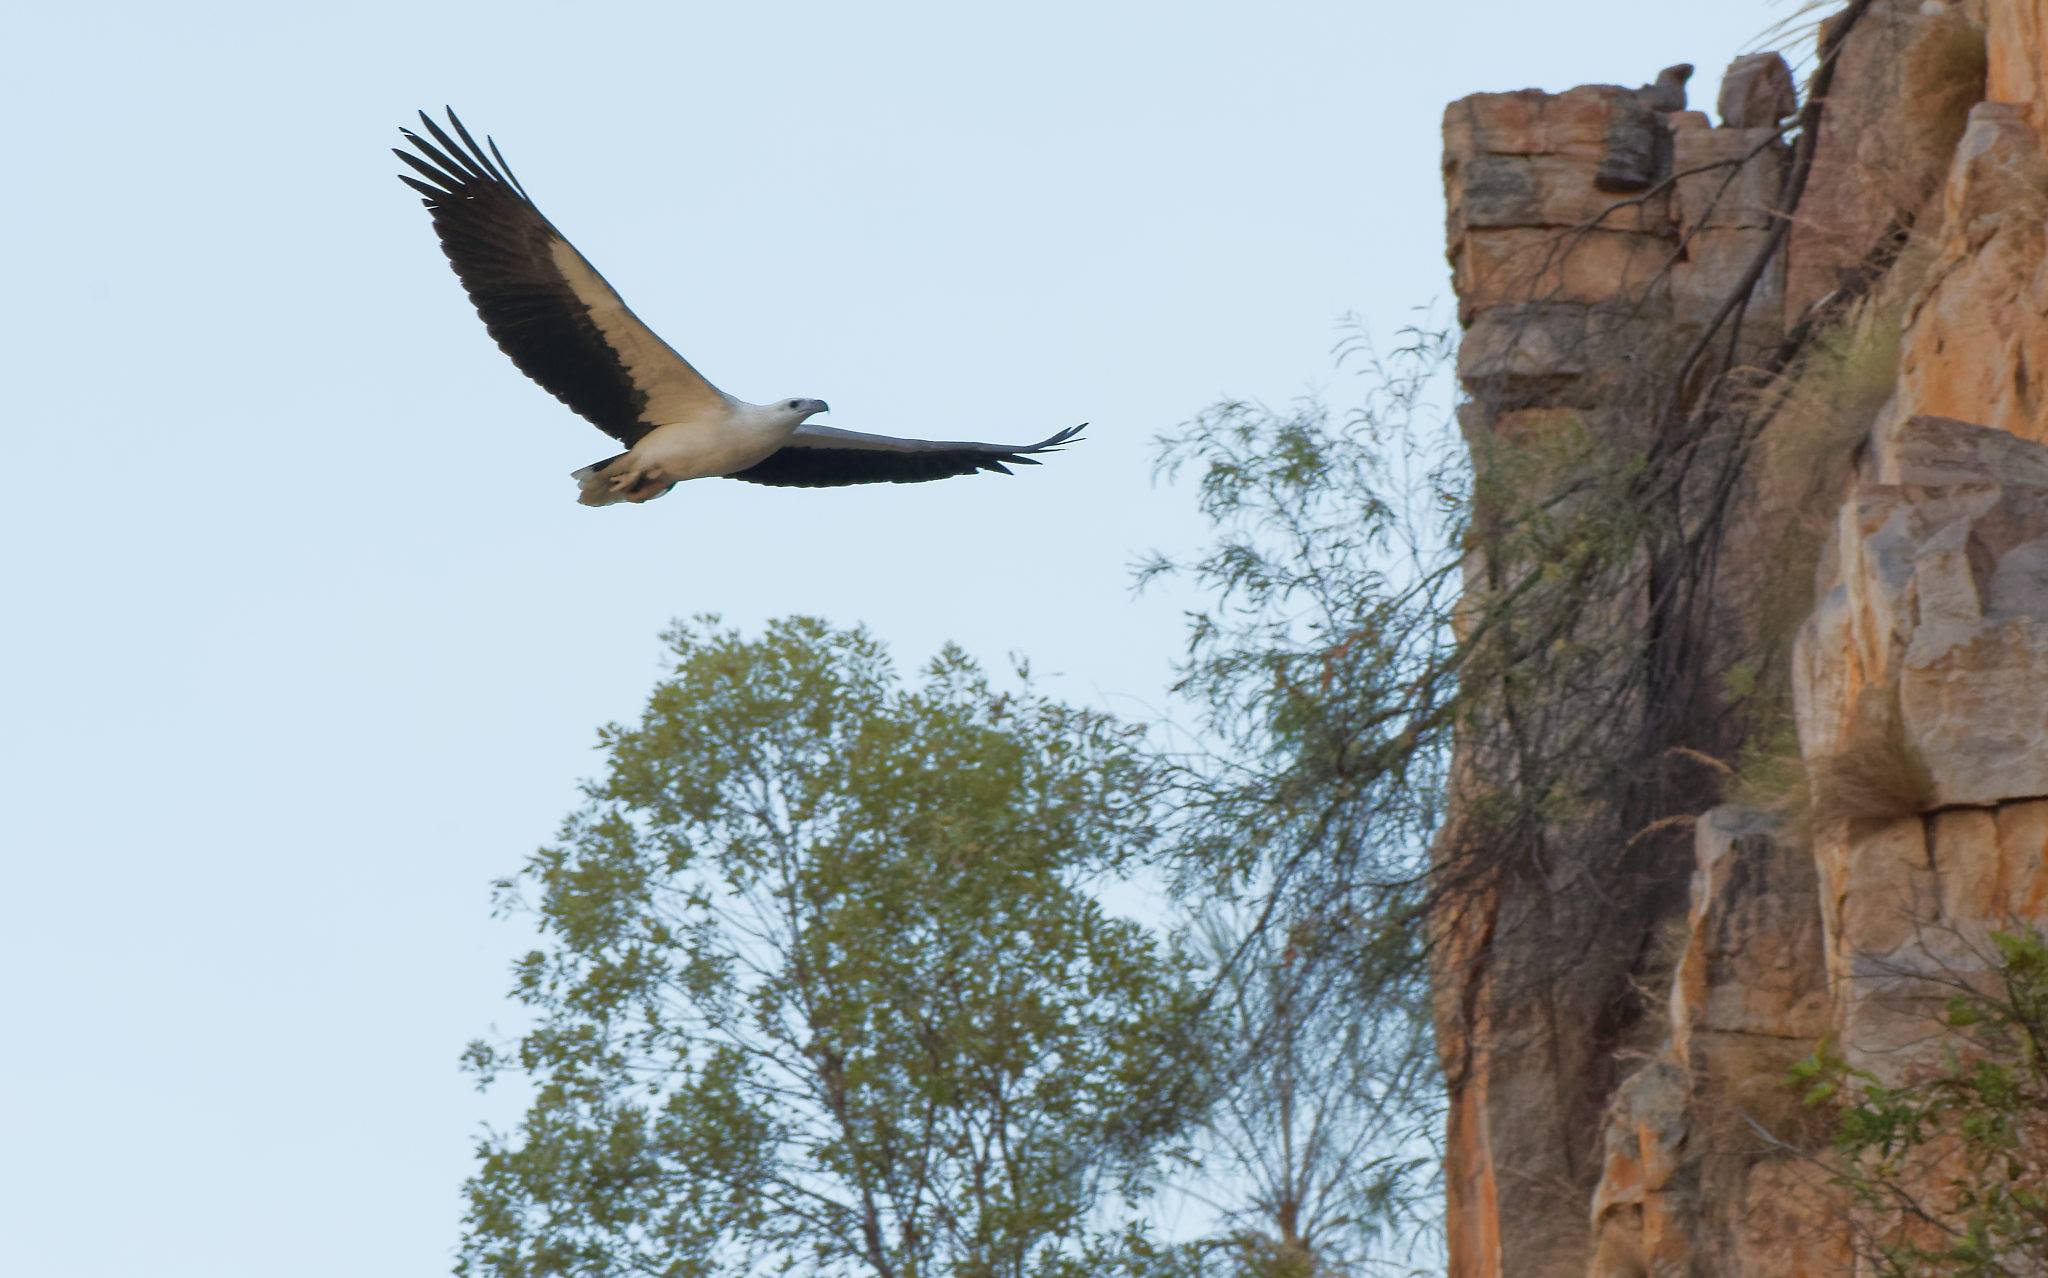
<point x="824" y="457"/>
<point x="546" y="306"/>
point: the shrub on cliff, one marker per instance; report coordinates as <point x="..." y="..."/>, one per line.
<point x="1948" y="1174"/>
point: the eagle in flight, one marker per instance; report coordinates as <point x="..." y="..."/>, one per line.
<point x="565" y="327"/>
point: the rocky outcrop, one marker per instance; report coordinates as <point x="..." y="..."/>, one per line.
<point x="1564" y="280"/>
<point x="1919" y="674"/>
<point x="1937" y="611"/>
<point x="1571" y="294"/>
<point x="1974" y="346"/>
<point x="1757" y="92"/>
<point x="1693" y="1181"/>
<point x="1905" y="79"/>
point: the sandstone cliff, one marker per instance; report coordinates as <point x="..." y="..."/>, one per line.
<point x="1842" y="307"/>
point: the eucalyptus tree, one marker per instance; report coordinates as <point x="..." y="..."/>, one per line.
<point x="823" y="985"/>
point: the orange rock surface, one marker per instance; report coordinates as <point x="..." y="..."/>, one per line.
<point x="1922" y="659"/>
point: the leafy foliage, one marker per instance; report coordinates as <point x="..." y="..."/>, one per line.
<point x="1323" y="668"/>
<point x="822" y="987"/>
<point x="1325" y="674"/>
<point x="1949" y="1174"/>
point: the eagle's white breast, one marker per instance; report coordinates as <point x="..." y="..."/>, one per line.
<point x="714" y="443"/>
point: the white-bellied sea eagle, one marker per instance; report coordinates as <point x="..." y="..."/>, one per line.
<point x="565" y="327"/>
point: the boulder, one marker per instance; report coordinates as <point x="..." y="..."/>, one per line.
<point x="1750" y="994"/>
<point x="1942" y="606"/>
<point x="1757" y="92"/>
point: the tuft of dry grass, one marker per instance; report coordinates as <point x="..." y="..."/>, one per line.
<point x="1877" y="776"/>
<point x="1942" y="74"/>
<point x="1946" y="70"/>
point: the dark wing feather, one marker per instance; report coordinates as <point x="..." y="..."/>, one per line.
<point x="544" y="304"/>
<point x="824" y="457"/>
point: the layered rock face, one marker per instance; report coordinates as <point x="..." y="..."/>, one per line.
<point x="1567" y="288"/>
<point x="1596" y="232"/>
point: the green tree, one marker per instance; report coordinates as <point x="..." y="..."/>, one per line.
<point x="824" y="988"/>
<point x="1947" y="1174"/>
<point x="1325" y="671"/>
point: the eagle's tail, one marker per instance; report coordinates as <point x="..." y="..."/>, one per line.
<point x="594" y="487"/>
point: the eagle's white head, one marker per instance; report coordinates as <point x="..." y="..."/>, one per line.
<point x="795" y="410"/>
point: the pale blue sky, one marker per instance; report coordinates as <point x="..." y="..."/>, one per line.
<point x="307" y="639"/>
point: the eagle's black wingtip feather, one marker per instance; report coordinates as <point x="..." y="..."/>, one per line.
<point x="465" y="160"/>
<point x="432" y="195"/>
<point x="462" y="163"/>
<point x="454" y="174"/>
<point x="476" y="152"/>
<point x="510" y="176"/>
<point x="446" y="181"/>
<point x="1055" y="442"/>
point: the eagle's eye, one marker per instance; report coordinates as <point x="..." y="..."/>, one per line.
<point x="795" y="403"/>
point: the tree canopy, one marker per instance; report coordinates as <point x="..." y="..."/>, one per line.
<point x="823" y="985"/>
